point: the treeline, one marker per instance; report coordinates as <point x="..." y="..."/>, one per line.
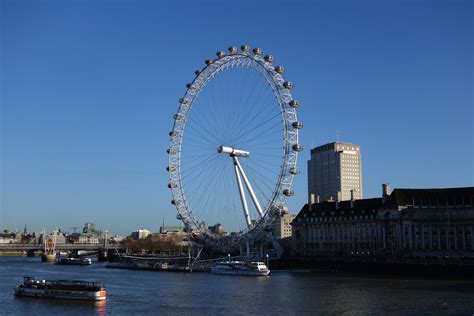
<point x="155" y="244"/>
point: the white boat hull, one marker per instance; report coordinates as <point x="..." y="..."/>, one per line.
<point x="74" y="295"/>
<point x="234" y="272"/>
<point x="241" y="268"/>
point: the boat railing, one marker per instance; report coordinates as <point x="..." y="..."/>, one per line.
<point x="87" y="284"/>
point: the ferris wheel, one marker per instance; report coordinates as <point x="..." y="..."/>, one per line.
<point x="233" y="147"/>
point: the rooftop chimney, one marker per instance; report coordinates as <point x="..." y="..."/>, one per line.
<point x="338" y="199"/>
<point x="312" y="199"/>
<point x="385" y="191"/>
<point x="352" y="198"/>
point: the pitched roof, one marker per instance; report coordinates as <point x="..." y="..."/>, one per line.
<point x="399" y="197"/>
<point x="418" y="197"/>
<point x="341" y="208"/>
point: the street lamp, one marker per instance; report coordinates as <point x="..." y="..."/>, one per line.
<point x="228" y="256"/>
<point x="267" y="259"/>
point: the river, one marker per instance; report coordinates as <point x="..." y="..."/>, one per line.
<point x="132" y="292"/>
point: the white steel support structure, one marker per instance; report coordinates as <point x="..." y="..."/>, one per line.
<point x="239" y="174"/>
<point x="249" y="187"/>
<point x="242" y="193"/>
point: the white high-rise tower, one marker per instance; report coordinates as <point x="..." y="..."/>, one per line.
<point x="335" y="172"/>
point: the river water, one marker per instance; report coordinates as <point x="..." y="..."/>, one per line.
<point x="133" y="292"/>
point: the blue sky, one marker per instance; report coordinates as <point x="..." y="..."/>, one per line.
<point x="89" y="88"/>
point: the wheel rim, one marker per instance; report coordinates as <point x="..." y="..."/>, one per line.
<point x="186" y="134"/>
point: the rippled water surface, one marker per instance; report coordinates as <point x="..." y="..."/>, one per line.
<point x="145" y="293"/>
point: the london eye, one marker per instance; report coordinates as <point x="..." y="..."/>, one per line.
<point x="233" y="147"/>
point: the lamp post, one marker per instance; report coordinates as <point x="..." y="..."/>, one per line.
<point x="228" y="257"/>
<point x="267" y="260"/>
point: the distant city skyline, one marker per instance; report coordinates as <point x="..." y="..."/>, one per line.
<point x="89" y="90"/>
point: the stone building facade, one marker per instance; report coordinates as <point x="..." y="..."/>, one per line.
<point x="409" y="223"/>
<point x="282" y="225"/>
<point x="8" y="237"/>
<point x="140" y="234"/>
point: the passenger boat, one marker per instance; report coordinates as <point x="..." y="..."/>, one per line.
<point x="241" y="268"/>
<point x="75" y="261"/>
<point x="62" y="289"/>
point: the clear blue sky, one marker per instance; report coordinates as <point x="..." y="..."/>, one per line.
<point x="89" y="88"/>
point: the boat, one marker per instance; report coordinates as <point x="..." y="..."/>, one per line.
<point x="241" y="268"/>
<point x="75" y="261"/>
<point x="61" y="289"/>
